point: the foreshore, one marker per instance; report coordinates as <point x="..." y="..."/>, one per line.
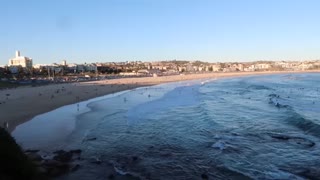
<point x="22" y="104"/>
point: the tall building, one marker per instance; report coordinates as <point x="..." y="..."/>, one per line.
<point x="22" y="61"/>
<point x="64" y="62"/>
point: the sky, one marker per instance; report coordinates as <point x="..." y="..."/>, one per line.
<point x="150" y="30"/>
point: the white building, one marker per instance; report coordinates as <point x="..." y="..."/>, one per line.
<point x="262" y="66"/>
<point x="39" y="66"/>
<point x="64" y="62"/>
<point x="22" y="61"/>
<point x="216" y="67"/>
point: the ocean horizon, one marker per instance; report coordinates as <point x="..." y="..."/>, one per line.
<point x="254" y="127"/>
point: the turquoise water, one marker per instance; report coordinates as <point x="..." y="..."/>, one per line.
<point x="258" y="127"/>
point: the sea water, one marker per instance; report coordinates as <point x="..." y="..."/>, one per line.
<point x="257" y="127"/>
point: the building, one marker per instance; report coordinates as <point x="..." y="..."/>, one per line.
<point x="216" y="67"/>
<point x="64" y="62"/>
<point x="262" y="66"/>
<point x="90" y="67"/>
<point x="22" y="61"/>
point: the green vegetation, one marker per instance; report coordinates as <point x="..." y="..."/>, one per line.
<point x="177" y="62"/>
<point x="14" y="164"/>
<point x="4" y="85"/>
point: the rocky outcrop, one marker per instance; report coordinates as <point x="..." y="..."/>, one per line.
<point x="61" y="162"/>
<point x="14" y="163"/>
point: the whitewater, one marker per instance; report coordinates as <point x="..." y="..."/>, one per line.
<point x="256" y="127"/>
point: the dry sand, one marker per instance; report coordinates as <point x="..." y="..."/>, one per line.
<point x="22" y="104"/>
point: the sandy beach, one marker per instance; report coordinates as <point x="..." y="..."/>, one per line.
<point x="22" y="104"/>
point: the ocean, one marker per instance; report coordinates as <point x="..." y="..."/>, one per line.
<point x="255" y="127"/>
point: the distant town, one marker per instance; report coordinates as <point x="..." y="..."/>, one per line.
<point x="21" y="68"/>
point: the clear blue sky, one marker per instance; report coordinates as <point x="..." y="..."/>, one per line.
<point x="149" y="30"/>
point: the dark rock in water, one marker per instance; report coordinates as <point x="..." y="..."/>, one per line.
<point x="55" y="168"/>
<point x="75" y="167"/>
<point x="34" y="157"/>
<point x="64" y="167"/>
<point x="31" y="151"/>
<point x="63" y="156"/>
<point x="37" y="163"/>
<point x="165" y="154"/>
<point x="51" y="163"/>
<point x="279" y="136"/>
<point x="91" y="139"/>
<point x="204" y="176"/>
<point x="96" y="161"/>
<point x="42" y="170"/>
<point x="278" y="105"/>
<point x="270" y="101"/>
<point x="59" y="152"/>
<point x="134" y="158"/>
<point x="274" y="95"/>
<point x="234" y="134"/>
<point x="296" y="140"/>
<point x="76" y="151"/>
<point x="312" y="144"/>
<point x="111" y="176"/>
<point x="58" y="171"/>
<point x="303" y="141"/>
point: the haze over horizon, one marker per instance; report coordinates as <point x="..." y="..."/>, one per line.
<point x="121" y="30"/>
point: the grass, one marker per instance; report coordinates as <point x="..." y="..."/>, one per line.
<point x="4" y="85"/>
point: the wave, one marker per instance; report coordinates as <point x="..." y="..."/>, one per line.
<point x="294" y="118"/>
<point x="307" y="125"/>
<point x="179" y="97"/>
<point x="278" y="102"/>
<point x="310" y="172"/>
<point x="259" y="87"/>
<point x="293" y="139"/>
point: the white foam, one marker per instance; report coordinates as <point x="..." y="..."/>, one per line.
<point x="219" y="145"/>
<point x="49" y="129"/>
<point x="179" y="97"/>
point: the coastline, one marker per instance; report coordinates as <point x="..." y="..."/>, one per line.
<point x="22" y="104"/>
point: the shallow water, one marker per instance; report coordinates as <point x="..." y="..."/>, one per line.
<point x="258" y="127"/>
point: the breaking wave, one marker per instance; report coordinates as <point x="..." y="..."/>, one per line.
<point x="261" y="127"/>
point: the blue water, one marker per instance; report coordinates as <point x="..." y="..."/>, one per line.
<point x="258" y="127"/>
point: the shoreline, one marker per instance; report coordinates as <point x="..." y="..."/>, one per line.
<point x="23" y="103"/>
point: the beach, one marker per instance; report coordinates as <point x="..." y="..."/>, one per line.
<point x="212" y="126"/>
<point x="22" y="104"/>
